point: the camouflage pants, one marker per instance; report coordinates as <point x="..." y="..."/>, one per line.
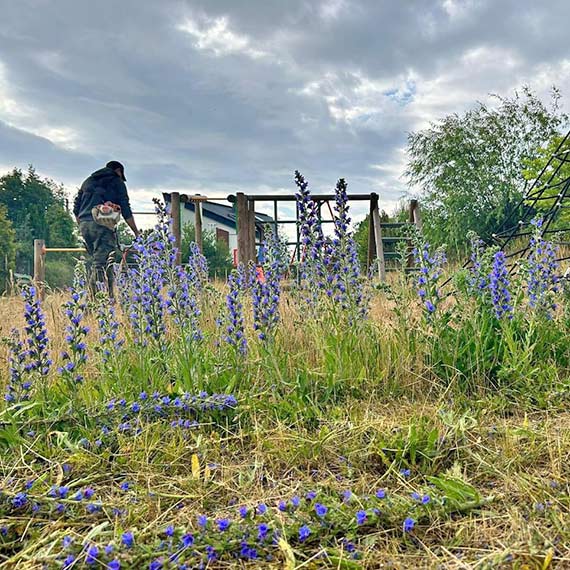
<point x="101" y="244"/>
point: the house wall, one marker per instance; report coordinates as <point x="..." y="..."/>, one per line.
<point x="187" y="216"/>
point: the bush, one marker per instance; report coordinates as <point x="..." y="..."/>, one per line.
<point x="59" y="273"/>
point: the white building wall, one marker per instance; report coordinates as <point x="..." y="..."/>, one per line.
<point x="187" y="216"/>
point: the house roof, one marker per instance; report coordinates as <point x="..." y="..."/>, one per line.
<point x="215" y="211"/>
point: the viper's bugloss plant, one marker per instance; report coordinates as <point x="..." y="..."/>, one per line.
<point x="234" y="333"/>
<point x="266" y="293"/>
<point x="29" y="358"/>
<point x="246" y="276"/>
<point x="478" y="272"/>
<point x="75" y="354"/>
<point x="276" y="255"/>
<point x="543" y="282"/>
<point x="155" y="255"/>
<point x="342" y="262"/>
<point x="257" y="534"/>
<point x="20" y="381"/>
<point x="162" y="237"/>
<point x="110" y="343"/>
<point x="312" y="269"/>
<point x="182" y="304"/>
<point x="430" y="267"/>
<point x="197" y="268"/>
<point x="499" y="287"/>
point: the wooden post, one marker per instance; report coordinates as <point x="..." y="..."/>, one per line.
<point x="39" y="268"/>
<point x="298" y="232"/>
<point x="416" y="214"/>
<point x="198" y="225"/>
<point x="175" y="215"/>
<point x="379" y="245"/>
<point x="411" y="208"/>
<point x="242" y="227"/>
<point x="275" y="216"/>
<point x="371" y="239"/>
<point x="252" y="249"/>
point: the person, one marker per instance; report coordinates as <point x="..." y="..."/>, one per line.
<point x="103" y="191"/>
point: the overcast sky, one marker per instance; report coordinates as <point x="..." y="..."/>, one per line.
<point x="219" y="96"/>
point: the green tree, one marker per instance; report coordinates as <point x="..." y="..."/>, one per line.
<point x="559" y="171"/>
<point x="216" y="252"/>
<point x="7" y="248"/>
<point x="37" y="208"/>
<point x="470" y="166"/>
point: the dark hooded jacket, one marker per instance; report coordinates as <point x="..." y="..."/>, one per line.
<point x="102" y="186"/>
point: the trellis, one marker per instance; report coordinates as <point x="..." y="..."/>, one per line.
<point x="549" y="185"/>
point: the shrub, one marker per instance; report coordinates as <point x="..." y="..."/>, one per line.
<point x="59" y="272"/>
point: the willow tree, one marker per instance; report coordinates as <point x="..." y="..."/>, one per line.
<point x="470" y="167"/>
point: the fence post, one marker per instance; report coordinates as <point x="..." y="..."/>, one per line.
<point x="198" y="225"/>
<point x="379" y="244"/>
<point x="252" y="249"/>
<point x="416" y="214"/>
<point x="175" y="214"/>
<point x="371" y="239"/>
<point x="39" y="268"/>
<point x="242" y="227"/>
<point x="412" y="208"/>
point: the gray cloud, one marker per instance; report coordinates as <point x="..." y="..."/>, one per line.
<point x="225" y="95"/>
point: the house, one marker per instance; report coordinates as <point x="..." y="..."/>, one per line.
<point x="217" y="217"/>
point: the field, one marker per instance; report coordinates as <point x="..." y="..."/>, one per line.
<point x="332" y="424"/>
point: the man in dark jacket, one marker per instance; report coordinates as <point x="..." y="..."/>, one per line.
<point x="104" y="185"/>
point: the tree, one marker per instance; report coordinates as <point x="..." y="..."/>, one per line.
<point x="470" y="166"/>
<point x="37" y="209"/>
<point x="216" y="252"/>
<point x="7" y="248"/>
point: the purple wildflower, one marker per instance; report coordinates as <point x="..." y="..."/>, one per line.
<point x="499" y="287"/>
<point x="223" y="524"/>
<point x="361" y="517"/>
<point x="128" y="539"/>
<point x="321" y="510"/>
<point x="304" y="533"/>
<point x="408" y="524"/>
<point x="92" y="554"/>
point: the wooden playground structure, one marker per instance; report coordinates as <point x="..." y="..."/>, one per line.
<point x="247" y="224"/>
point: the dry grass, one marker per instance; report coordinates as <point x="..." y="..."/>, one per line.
<point x="520" y="461"/>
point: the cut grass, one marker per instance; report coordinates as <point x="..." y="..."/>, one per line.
<point x="319" y="410"/>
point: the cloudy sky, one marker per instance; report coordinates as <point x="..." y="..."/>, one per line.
<point x="219" y="96"/>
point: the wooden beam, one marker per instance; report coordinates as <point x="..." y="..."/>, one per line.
<point x="198" y="226"/>
<point x="176" y="230"/>
<point x="65" y="249"/>
<point x="371" y="241"/>
<point x="416" y="214"/>
<point x="379" y="244"/>
<point x="39" y="268"/>
<point x="252" y="249"/>
<point x="291" y="197"/>
<point x="242" y="227"/>
<point x="410" y="260"/>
